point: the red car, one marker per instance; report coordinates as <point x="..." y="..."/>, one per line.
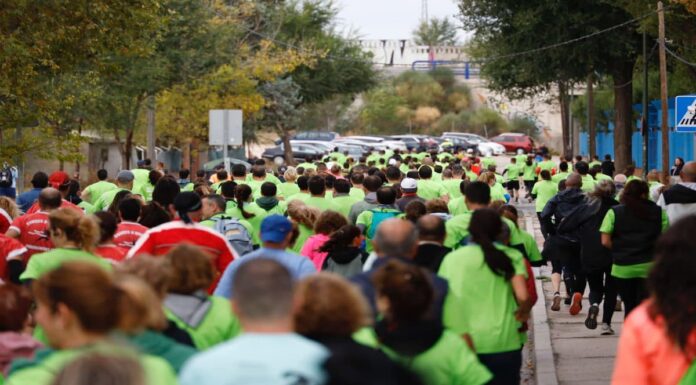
<point x="518" y="143"/>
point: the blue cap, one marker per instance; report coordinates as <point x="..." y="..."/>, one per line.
<point x="275" y="228"/>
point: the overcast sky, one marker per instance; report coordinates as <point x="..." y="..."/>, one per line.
<point x="390" y="19"/>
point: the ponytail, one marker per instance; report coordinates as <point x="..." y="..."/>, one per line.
<point x="242" y="193"/>
<point x="340" y="238"/>
<point x="485" y="228"/>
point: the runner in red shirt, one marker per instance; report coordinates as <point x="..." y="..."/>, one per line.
<point x="63" y="203"/>
<point x="106" y="248"/>
<point x="129" y="231"/>
<point x="32" y="229"/>
<point x="10" y="250"/>
<point x="159" y="240"/>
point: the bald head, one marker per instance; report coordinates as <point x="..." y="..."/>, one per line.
<point x="574" y="181"/>
<point x="688" y="172"/>
<point x="49" y="199"/>
<point x="396" y="238"/>
<point x="431" y="228"/>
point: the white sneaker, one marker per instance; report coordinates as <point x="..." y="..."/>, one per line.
<point x="607" y="330"/>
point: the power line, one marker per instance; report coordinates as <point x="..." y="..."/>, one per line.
<point x="679" y="58"/>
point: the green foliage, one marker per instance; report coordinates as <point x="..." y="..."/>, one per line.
<point x="523" y="125"/>
<point x="384" y="112"/>
<point x="435" y="32"/>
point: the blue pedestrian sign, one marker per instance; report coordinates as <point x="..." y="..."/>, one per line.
<point x="685" y="111"/>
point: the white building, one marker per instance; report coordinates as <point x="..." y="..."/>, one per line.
<point x="403" y="54"/>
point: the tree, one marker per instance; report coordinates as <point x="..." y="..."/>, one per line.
<point x="435" y="32"/>
<point x="281" y="111"/>
<point x="516" y="29"/>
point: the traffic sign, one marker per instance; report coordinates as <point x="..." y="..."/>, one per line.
<point x="685" y="114"/>
<point x="225" y="123"/>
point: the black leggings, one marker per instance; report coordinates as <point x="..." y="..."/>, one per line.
<point x="505" y="367"/>
<point x="603" y="285"/>
<point x="632" y="292"/>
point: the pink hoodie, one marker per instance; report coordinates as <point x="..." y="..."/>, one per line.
<point x="16" y="345"/>
<point x="311" y="249"/>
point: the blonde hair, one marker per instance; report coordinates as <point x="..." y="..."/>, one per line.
<point x="290" y="174"/>
<point x="78" y="228"/>
<point x="9" y="206"/>
<point x="330" y="306"/>
<point x="155" y="271"/>
<point x="302" y="214"/>
<point x="145" y="307"/>
<point x="192" y="269"/>
<point x="487" y="177"/>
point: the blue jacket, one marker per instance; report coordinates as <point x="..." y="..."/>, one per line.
<point x="26" y="199"/>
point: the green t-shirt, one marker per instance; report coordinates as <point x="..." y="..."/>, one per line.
<point x="141" y="177"/>
<point x="588" y="183"/>
<point x="106" y="198"/>
<point x="601" y="176"/>
<point x="47" y="363"/>
<point x="287" y="189"/>
<point x="521" y="159"/>
<point x="544" y="191"/>
<point x="487" y="161"/>
<point x="338" y="157"/>
<point x="449" y="362"/>
<point x="430" y="189"/>
<point x="594" y="163"/>
<point x="457" y="206"/>
<point x="547" y="165"/>
<point x="343" y="203"/>
<point x="498" y="193"/>
<point x="559" y="177"/>
<point x="529" y="171"/>
<point x="639" y="270"/>
<point x="86" y="207"/>
<point x="365" y="221"/>
<point x="188" y="187"/>
<point x="146" y="189"/>
<point x="513" y="171"/>
<point x="300" y="196"/>
<point x="321" y="203"/>
<point x="481" y="302"/>
<point x="219" y="324"/>
<point x="255" y="187"/>
<point x="471" y="175"/>
<point x="452" y="187"/>
<point x="457" y="229"/>
<point x="96" y="190"/>
<point x="42" y="263"/>
<point x="357" y="193"/>
<point x="307" y="166"/>
<point x="305" y="233"/>
<point x="404" y="168"/>
<point x="530" y="246"/>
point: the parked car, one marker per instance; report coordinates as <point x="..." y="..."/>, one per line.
<point x="211" y="166"/>
<point x="324" y="136"/>
<point x="324" y="146"/>
<point x="458" y="144"/>
<point x="374" y="140"/>
<point x="368" y="145"/>
<point x="417" y="142"/>
<point x="518" y="143"/>
<point x="485" y="146"/>
<point x="301" y="152"/>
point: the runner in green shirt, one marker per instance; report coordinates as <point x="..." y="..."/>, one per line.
<point x="289" y="187"/>
<point x="342" y="201"/>
<point x="318" y="199"/>
<point x="487" y="161"/>
<point x="93" y="192"/>
<point x="544" y="190"/>
<point x="562" y="174"/>
<point x="488" y="297"/>
<point x="547" y="164"/>
<point x="529" y="176"/>
<point x="512" y="175"/>
<point x="428" y="188"/>
<point x="368" y="221"/>
<point x="357" y="191"/>
<point x="124" y="181"/>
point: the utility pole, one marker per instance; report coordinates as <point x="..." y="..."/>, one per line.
<point x="663" y="91"/>
<point x="645" y="118"/>
<point x="151" y="130"/>
<point x="591" y="140"/>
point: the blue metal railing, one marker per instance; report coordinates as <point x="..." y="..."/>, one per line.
<point x="460" y="68"/>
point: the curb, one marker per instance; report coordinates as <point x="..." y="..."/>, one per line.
<point x="545" y="365"/>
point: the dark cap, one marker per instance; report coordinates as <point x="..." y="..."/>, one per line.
<point x="187" y="202"/>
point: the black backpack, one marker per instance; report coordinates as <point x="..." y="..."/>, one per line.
<point x="6" y="177"/>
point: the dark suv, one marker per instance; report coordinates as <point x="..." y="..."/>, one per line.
<point x="324" y="136"/>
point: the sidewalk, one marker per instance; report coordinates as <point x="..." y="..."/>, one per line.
<point x="579" y="356"/>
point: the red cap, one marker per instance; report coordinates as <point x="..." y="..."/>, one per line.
<point x="57" y="178"/>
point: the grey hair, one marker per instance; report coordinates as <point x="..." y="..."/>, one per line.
<point x="604" y="189"/>
<point x="395" y="246"/>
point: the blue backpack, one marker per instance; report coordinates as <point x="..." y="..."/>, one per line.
<point x="379" y="216"/>
<point x="236" y="234"/>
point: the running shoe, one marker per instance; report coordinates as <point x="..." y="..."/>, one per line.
<point x="576" y="304"/>
<point x="556" y="303"/>
<point x="591" y="321"/>
<point x="607" y="330"/>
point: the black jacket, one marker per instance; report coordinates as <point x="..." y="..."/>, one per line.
<point x="430" y="256"/>
<point x="594" y="256"/>
<point x="560" y="206"/>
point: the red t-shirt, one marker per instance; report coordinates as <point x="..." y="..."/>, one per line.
<point x="35" y="207"/>
<point x="128" y="233"/>
<point x="5" y="221"/>
<point x="111" y="252"/>
<point x="33" y="233"/>
<point x="161" y="239"/>
<point x="10" y="249"/>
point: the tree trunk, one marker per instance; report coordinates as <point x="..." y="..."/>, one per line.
<point x="128" y="149"/>
<point x="565" y="113"/>
<point x="287" y="148"/>
<point x="591" y="117"/>
<point x="623" y="114"/>
<point x="186" y="154"/>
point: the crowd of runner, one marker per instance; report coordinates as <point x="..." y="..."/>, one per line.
<point x="397" y="268"/>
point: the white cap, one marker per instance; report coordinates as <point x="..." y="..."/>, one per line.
<point x="409" y="185"/>
<point x="392" y="162"/>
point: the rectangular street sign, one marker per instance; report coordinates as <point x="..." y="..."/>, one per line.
<point x="217" y="129"/>
<point x="685" y="113"/>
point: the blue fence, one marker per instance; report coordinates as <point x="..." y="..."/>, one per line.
<point x="459" y="68"/>
<point x="681" y="145"/>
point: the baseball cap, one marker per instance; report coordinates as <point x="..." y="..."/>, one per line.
<point x="392" y="162"/>
<point x="125" y="176"/>
<point x="275" y="228"/>
<point x="58" y="178"/>
<point x="409" y="185"/>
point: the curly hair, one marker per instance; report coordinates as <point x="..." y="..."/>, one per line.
<point x="329" y="306"/>
<point x="328" y="222"/>
<point x="302" y="214"/>
<point x="672" y="284"/>
<point x="436" y="206"/>
<point x="9" y="206"/>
